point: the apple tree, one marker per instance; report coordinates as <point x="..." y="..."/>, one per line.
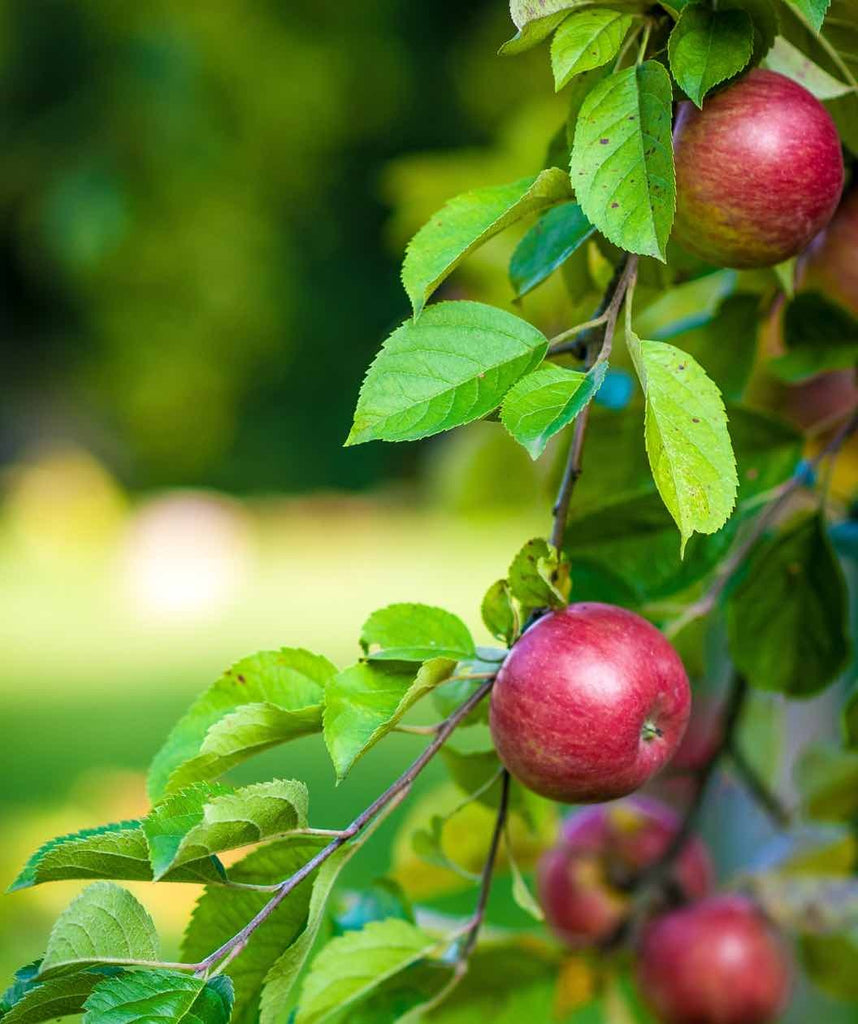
<point x="692" y="414"/>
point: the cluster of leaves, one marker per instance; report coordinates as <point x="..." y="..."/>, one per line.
<point x="779" y="618"/>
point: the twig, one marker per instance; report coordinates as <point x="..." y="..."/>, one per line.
<point x="598" y="349"/>
<point x="782" y="495"/>
<point x="395" y="791"/>
<point x="758" y="789"/>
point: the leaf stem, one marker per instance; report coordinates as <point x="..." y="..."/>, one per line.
<point x="395" y="792"/>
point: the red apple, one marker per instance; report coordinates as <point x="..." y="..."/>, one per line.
<point x="714" y="962"/>
<point x="589" y="704"/>
<point x="602" y="846"/>
<point x="759" y="171"/>
<point x="831" y="263"/>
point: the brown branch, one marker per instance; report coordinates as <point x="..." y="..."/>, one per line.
<point x="596" y="344"/>
<point x="396" y="791"/>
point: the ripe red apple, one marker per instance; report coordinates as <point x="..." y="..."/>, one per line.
<point x="831" y="263"/>
<point x="602" y="846"/>
<point x="759" y="171"/>
<point x="714" y="962"/>
<point x="589" y="704"/>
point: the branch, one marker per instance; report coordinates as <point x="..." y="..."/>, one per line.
<point x="597" y="348"/>
<point x="396" y="791"/>
<point x="758" y="789"/>
<point x="783" y="494"/>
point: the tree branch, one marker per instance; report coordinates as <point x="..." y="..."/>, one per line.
<point x="396" y="791"/>
<point x="758" y="789"/>
<point x="736" y="559"/>
<point x="596" y="346"/>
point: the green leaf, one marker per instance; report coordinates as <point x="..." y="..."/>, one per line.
<point x="521" y="892"/>
<point x="415" y="632"/>
<point x="221" y="913"/>
<point x="539" y="576"/>
<point x="382" y="899"/>
<point x="850" y="717"/>
<point x="159" y="995"/>
<point x="196" y="823"/>
<point x="547" y="245"/>
<point x="588" y="40"/>
<point x="291" y="679"/>
<point x="707" y="47"/>
<point x="684" y="306"/>
<point x="535" y="21"/>
<point x="788" y="60"/>
<point x="470" y="220"/>
<point x="827" y="779"/>
<point x="541" y="404"/>
<point x="450" y="367"/>
<point x="349" y="967"/>
<point x="687" y="441"/>
<point x="761" y="735"/>
<point x="475" y="773"/>
<point x="364" y="702"/>
<point x="23" y="981"/>
<point x="813" y="11"/>
<point x="831" y="962"/>
<point x="819" y="335"/>
<point x="787" y="619"/>
<point x="807" y="904"/>
<point x="499" y="613"/>
<point x="622" y="159"/>
<point x="57" y="997"/>
<point x="105" y="924"/>
<point x="277" y="995"/>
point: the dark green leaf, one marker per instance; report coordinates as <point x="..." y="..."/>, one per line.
<point x="787" y="618"/>
<point x="159" y="995"/>
<point x="450" y="367"/>
<point x="470" y="220"/>
<point x="541" y="404"/>
<point x="364" y="702"/>
<point x="105" y="924"/>
<point x="622" y="159"/>
<point x="831" y="962"/>
<point x="549" y="243"/>
<point x="827" y="779"/>
<point x="284" y="690"/>
<point x="819" y="335"/>
<point x="708" y="46"/>
<point x="415" y="632"/>
<point x="31" y="1003"/>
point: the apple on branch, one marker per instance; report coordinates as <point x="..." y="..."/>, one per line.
<point x="590" y="703"/>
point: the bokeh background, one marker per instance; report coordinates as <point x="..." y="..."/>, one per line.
<point x="202" y="211"/>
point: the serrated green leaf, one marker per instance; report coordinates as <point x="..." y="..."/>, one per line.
<point x="48" y="1000"/>
<point x="450" y="367"/>
<point x="788" y="60"/>
<point x="159" y="995"/>
<point x="498" y="612"/>
<point x="350" y="967"/>
<point x="539" y="576"/>
<point x="415" y="632"/>
<point x="277" y="995"/>
<point x="292" y="680"/>
<point x="819" y="335"/>
<point x="470" y="220"/>
<point x="588" y="40"/>
<point x="116" y="851"/>
<point x="105" y="924"/>
<point x="707" y="47"/>
<point x="541" y="404"/>
<point x="787" y="619"/>
<point x="548" y="244"/>
<point x="813" y="11"/>
<point x="827" y="780"/>
<point x="220" y="914"/>
<point x="364" y="702"/>
<point x="198" y="823"/>
<point x="687" y="441"/>
<point x="622" y="159"/>
<point x="535" y="21"/>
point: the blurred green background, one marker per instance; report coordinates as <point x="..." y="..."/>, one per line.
<point x="202" y="213"/>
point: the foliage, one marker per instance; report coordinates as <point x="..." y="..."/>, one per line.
<point x="750" y="588"/>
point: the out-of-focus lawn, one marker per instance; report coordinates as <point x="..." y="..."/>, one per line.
<point x="114" y="618"/>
